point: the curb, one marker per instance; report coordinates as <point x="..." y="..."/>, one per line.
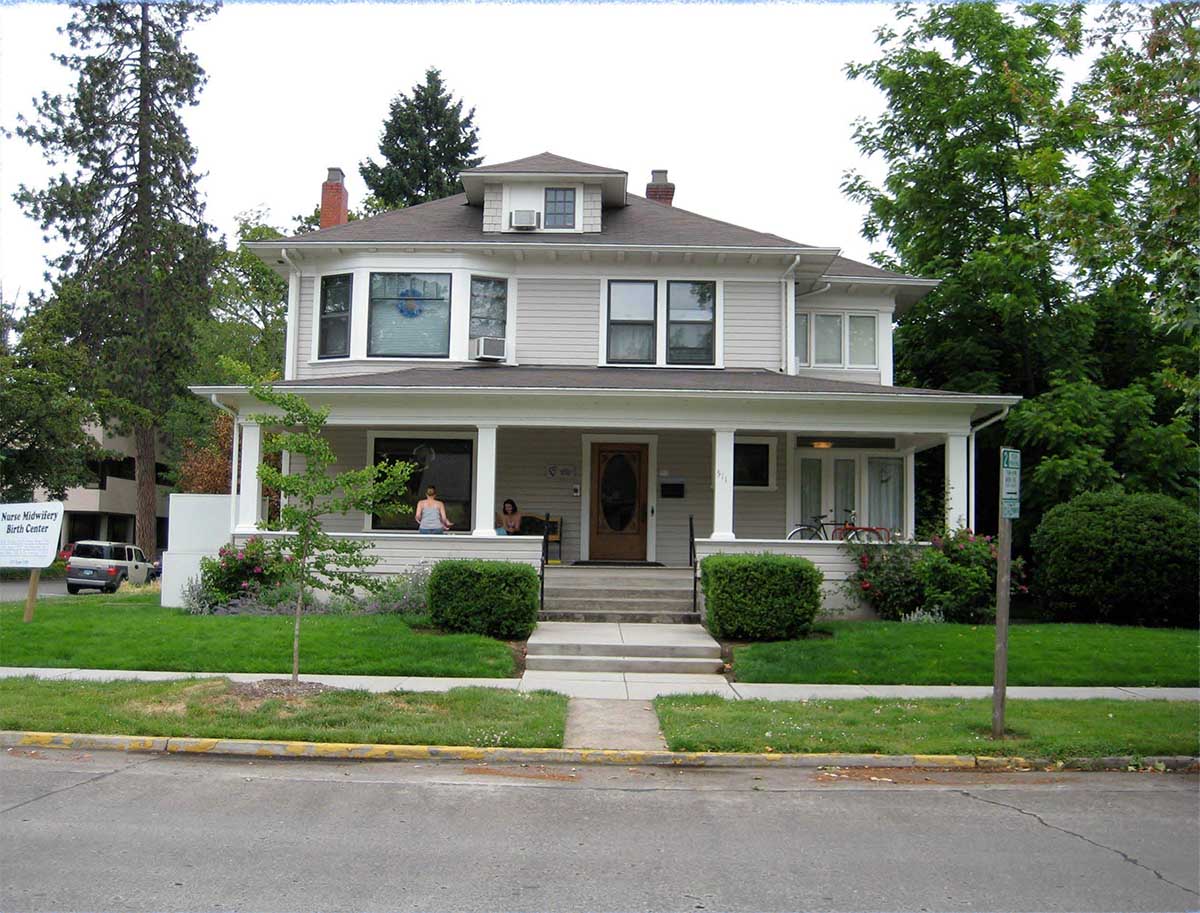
<point x="352" y="751"/>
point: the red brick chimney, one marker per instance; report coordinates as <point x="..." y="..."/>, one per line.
<point x="335" y="202"/>
<point x="660" y="190"/>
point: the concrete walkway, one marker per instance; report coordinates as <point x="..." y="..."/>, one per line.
<point x="631" y="686"/>
<point x="621" y="725"/>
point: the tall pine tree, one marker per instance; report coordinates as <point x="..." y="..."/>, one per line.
<point x="134" y="274"/>
<point x="426" y="142"/>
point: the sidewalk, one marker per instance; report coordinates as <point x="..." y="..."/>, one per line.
<point x="632" y="686"/>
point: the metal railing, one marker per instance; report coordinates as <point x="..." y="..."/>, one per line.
<point x="545" y="558"/>
<point x="692" y="555"/>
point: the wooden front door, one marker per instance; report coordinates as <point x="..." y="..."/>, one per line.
<point x="618" y="508"/>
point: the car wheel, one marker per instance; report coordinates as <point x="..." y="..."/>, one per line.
<point x="72" y="589"/>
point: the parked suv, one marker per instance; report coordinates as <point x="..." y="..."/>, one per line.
<point x="103" y="565"/>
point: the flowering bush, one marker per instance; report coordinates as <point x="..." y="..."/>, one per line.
<point x="954" y="576"/>
<point x="244" y="569"/>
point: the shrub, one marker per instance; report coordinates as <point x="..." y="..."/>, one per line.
<point x="1119" y="558"/>
<point x="406" y="593"/>
<point x="496" y="598"/>
<point x="760" y="597"/>
<point x="886" y="578"/>
<point x="242" y="569"/>
<point x="197" y="600"/>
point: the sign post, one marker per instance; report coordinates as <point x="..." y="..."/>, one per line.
<point x="1010" y="509"/>
<point x="30" y="536"/>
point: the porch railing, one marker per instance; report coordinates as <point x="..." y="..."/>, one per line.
<point x="692" y="555"/>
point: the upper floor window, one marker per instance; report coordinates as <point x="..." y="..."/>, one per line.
<point x="408" y="315"/>
<point x="560" y="207"/>
<point x="632" y="305"/>
<point x="836" y="340"/>
<point x="489" y="306"/>
<point x="333" y="333"/>
<point x="691" y="323"/>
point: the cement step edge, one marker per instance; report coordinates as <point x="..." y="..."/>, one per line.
<point x="664" y="651"/>
<point x="561" y="663"/>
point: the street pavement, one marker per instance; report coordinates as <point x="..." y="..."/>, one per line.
<point x="85" y="831"/>
<point x="12" y="590"/>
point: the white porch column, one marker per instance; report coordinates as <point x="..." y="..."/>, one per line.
<point x="722" y="485"/>
<point x="956" y="480"/>
<point x="485" y="481"/>
<point x="910" y="495"/>
<point x="249" y="510"/>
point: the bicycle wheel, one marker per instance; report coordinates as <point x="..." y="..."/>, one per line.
<point x="805" y="533"/>
<point x="865" y="535"/>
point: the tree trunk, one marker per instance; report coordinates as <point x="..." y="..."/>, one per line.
<point x="296" y="637"/>
<point x="145" y="452"/>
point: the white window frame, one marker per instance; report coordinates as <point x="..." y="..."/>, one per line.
<point x="660" y="324"/>
<point x="772" y="443"/>
<point x="508" y="321"/>
<point x="373" y="435"/>
<point x="860" y="456"/>
<point x="315" y="317"/>
<point x="808" y="359"/>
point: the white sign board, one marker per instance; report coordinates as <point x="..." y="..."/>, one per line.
<point x="1010" y="483"/>
<point x="29" y="533"/>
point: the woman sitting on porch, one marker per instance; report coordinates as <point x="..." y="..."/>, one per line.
<point x="431" y="514"/>
<point x="510" y="519"/>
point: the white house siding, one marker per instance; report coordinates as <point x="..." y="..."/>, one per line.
<point x="763" y="514"/>
<point x="686" y="456"/>
<point x="592" y="207"/>
<point x="558" y="321"/>
<point x="753" y="325"/>
<point x="523" y="456"/>
<point x="350" y="447"/>
<point x="493" y="207"/>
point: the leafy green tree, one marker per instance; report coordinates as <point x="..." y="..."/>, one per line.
<point x="317" y="560"/>
<point x="426" y="142"/>
<point x="133" y="278"/>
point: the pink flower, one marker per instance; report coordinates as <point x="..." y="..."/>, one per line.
<point x="245" y="585"/>
<point x="863" y="561"/>
<point x="241" y="555"/>
<point x="258" y="570"/>
<point x="866" y="585"/>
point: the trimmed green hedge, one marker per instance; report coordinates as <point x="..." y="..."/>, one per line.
<point x="760" y="597"/>
<point x="495" y="598"/>
<point x="1125" y="559"/>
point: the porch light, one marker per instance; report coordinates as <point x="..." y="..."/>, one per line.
<point x="822" y="445"/>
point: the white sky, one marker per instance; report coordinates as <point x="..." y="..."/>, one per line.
<point x="747" y="106"/>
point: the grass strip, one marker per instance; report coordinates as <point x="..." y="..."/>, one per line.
<point x="216" y="708"/>
<point x="893" y="653"/>
<point x="1043" y="729"/>
<point x="136" y="632"/>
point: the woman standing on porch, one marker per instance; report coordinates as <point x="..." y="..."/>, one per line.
<point x="431" y="514"/>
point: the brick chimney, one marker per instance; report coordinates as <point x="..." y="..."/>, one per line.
<point x="660" y="190"/>
<point x="335" y="202"/>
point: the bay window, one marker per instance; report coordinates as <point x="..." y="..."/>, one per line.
<point x="408" y="315"/>
<point x="632" y="307"/>
<point x="691" y="322"/>
<point x="333" y="325"/>
<point x="828" y="340"/>
<point x="489" y="307"/>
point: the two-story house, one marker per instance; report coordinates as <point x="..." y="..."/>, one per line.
<point x="551" y="338"/>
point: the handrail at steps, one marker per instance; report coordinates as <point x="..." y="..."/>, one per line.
<point x="692" y="555"/>
<point x="545" y="558"/>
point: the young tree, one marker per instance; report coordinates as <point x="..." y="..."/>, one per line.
<point x="426" y="142"/>
<point x="133" y="279"/>
<point x="317" y="560"/>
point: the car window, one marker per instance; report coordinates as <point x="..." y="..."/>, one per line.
<point x="128" y="553"/>
<point x="91" y="550"/>
<point x="137" y="555"/>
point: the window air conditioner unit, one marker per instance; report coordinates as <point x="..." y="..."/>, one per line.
<point x="487" y="348"/>
<point x="524" y="219"/>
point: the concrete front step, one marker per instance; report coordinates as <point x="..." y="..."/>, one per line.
<point x="606" y="603"/>
<point x="662" y="651"/>
<point x="619" y="576"/>
<point x="573" y="663"/>
<point x="620" y="616"/>
<point x="617" y="591"/>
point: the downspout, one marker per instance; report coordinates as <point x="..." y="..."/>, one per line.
<point x="289" y="357"/>
<point x="233" y="461"/>
<point x="999" y="416"/>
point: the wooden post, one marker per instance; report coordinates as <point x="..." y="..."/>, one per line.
<point x="1000" y="671"/>
<point x="31" y="596"/>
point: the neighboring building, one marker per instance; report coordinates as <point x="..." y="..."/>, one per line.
<point x="606" y="358"/>
<point x="106" y="507"/>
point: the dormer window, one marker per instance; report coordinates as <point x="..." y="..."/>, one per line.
<point x="560" y="207"/>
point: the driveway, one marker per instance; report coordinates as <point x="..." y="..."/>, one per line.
<point x="11" y="590"/>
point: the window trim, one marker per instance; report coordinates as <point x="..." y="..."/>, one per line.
<point x="652" y="323"/>
<point x="808" y="358"/>
<point x="433" y="434"/>
<point x="712" y="322"/>
<point x="772" y="443"/>
<point x="449" y="310"/>
<point x="574" y="209"/>
<point x="320" y="316"/>
<point x="471" y="300"/>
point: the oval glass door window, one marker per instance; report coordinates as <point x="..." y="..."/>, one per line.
<point x="618" y="492"/>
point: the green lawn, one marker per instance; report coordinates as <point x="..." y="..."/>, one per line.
<point x="892" y="653"/>
<point x="135" y="632"/>
<point x="1042" y="729"/>
<point x="212" y="708"/>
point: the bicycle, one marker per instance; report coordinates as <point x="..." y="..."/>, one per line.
<point x="846" y="531"/>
